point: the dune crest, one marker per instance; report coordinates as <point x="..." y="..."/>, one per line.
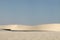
<point x="49" y="27"/>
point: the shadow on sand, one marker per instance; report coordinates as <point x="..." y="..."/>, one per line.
<point x="27" y="30"/>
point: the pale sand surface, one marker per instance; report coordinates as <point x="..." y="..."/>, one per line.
<point x="49" y="27"/>
<point x="42" y="35"/>
<point x="6" y="35"/>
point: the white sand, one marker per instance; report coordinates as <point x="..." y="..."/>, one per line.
<point x="13" y="35"/>
<point x="49" y="27"/>
<point x="29" y="35"/>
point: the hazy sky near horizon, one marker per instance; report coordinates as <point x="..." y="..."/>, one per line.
<point x="29" y="12"/>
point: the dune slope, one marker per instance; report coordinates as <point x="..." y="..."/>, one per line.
<point x="49" y="27"/>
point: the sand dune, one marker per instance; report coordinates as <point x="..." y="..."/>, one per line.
<point x="49" y="27"/>
<point x="9" y="35"/>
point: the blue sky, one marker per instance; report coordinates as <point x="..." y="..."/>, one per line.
<point x="29" y="12"/>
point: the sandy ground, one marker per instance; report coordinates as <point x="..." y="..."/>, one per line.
<point x="49" y="27"/>
<point x="46" y="34"/>
<point x="6" y="35"/>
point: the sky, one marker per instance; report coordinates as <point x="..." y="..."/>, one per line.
<point x="29" y="12"/>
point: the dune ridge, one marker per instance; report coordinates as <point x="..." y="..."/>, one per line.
<point x="49" y="27"/>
